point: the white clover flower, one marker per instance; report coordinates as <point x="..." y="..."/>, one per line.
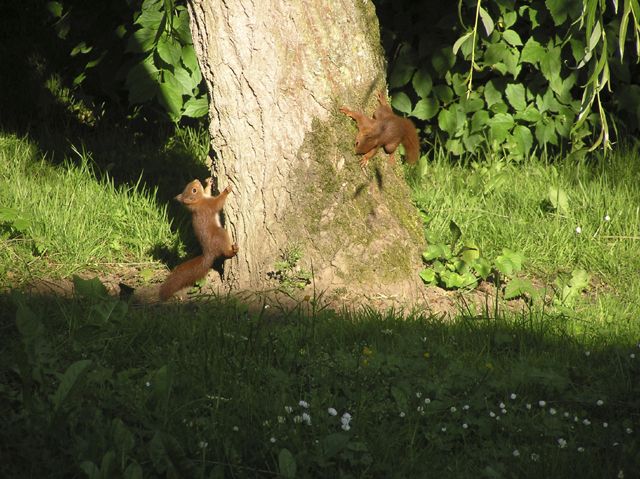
<point x="444" y="429"/>
<point x="332" y="412"/>
<point x="605" y="424"/>
<point x="236" y="428"/>
<point x="303" y="404"/>
<point x="297" y="419"/>
<point x="607" y="217"/>
<point x="402" y="414"/>
<point x="427" y="400"/>
<point x="578" y="230"/>
<point x="632" y="356"/>
<point x="492" y="414"/>
<point x="535" y="457"/>
<point x="587" y="353"/>
<point x="516" y="453"/>
<point x="453" y="409"/>
<point x="503" y="411"/>
<point x="552" y="411"/>
<point x="586" y="422"/>
<point x="501" y="405"/>
<point x="345" y="427"/>
<point x="465" y="407"/>
<point x="629" y="430"/>
<point x="289" y="409"/>
<point x="306" y="418"/>
<point x="418" y="395"/>
<point x="542" y="403"/>
<point x="575" y="419"/>
<point x="513" y="395"/>
<point x="465" y="426"/>
<point x="280" y="420"/>
<point x="346" y="417"/>
<point x="272" y="439"/>
<point x="566" y="414"/>
<point x="581" y="449"/>
<point x="420" y="409"/>
<point x="528" y="406"/>
<point x="562" y="443"/>
<point x="387" y="332"/>
<point x="148" y="384"/>
<point x="203" y="444"/>
<point x="599" y="402"/>
<point x="620" y="474"/>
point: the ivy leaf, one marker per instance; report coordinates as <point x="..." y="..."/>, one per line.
<point x="426" y="109"/>
<point x="401" y="102"/>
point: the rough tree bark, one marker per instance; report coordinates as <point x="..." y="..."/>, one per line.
<point x="277" y="73"/>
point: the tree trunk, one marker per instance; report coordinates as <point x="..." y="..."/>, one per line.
<point x="277" y="73"/>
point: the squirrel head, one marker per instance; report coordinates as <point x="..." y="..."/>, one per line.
<point x="192" y="193"/>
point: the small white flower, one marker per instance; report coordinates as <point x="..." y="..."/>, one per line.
<point x="629" y="430"/>
<point x="148" y="384"/>
<point x="289" y="409"/>
<point x="586" y="422"/>
<point x="453" y="409"/>
<point x="418" y="395"/>
<point x="621" y="474"/>
<point x="346" y="416"/>
<point x="303" y="404"/>
<point x="599" y="402"/>
<point x="575" y="419"/>
<point x="535" y="457"/>
<point x="427" y="400"/>
<point x="465" y="426"/>
<point x="501" y="405"/>
<point x="203" y="444"/>
<point x="272" y="439"/>
<point x="306" y="418"/>
<point x="503" y="411"/>
<point x="587" y="353"/>
<point x="605" y="424"/>
<point x="566" y="414"/>
<point x="332" y="412"/>
<point x="562" y="443"/>
<point x="444" y="429"/>
<point x="581" y="449"/>
<point x="297" y="419"/>
<point x="345" y="427"/>
<point x="552" y="411"/>
<point x="420" y="409"/>
<point x="632" y="356"/>
<point x="542" y="403"/>
<point x="236" y="428"/>
<point x="578" y="230"/>
<point x="516" y="453"/>
<point x="492" y="414"/>
<point x="607" y="217"/>
<point x="465" y="407"/>
<point x="402" y="414"/>
<point x="513" y="395"/>
<point x="280" y="420"/>
<point x="387" y="332"/>
<point x="528" y="406"/>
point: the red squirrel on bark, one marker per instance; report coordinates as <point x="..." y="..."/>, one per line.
<point x="386" y="130"/>
<point x="213" y="238"/>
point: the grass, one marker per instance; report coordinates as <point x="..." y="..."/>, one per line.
<point x="94" y="386"/>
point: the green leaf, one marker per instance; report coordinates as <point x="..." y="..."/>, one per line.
<point x="401" y="73"/>
<point x="196" y="107"/>
<point x="142" y="81"/>
<point x="558" y="199"/>
<point x="426" y="108"/>
<point x="422" y="83"/>
<point x="90" y="288"/>
<point x="334" y="443"/>
<point x="546" y="132"/>
<point x="442" y="60"/>
<point x="479" y="120"/>
<point x="455" y="231"/>
<point x="447" y="121"/>
<point x="428" y="275"/>
<point x="523" y="140"/>
<point x="444" y="93"/>
<point x="401" y="102"/>
<point x="512" y="38"/>
<point x="486" y="21"/>
<point x="189" y="58"/>
<point x="170" y="95"/>
<point x="551" y="63"/>
<point x="150" y="19"/>
<point x="122" y="437"/>
<point x="509" y="262"/>
<point x="532" y="52"/>
<point x="69" y="382"/>
<point x="518" y="287"/>
<point x="515" y="93"/>
<point x="499" y="126"/>
<point x="529" y="114"/>
<point x="287" y="464"/>
<point x="453" y="280"/>
<point x="169" y="50"/>
<point x="482" y="266"/>
<point x="185" y="80"/>
<point x="559" y="10"/>
<point x="460" y="41"/>
<point x="470" y="253"/>
<point x="437" y="251"/>
<point x="491" y="94"/>
<point x="133" y="471"/>
<point x="141" y="41"/>
<point x="55" y="9"/>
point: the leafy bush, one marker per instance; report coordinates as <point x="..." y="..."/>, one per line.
<point x="514" y="79"/>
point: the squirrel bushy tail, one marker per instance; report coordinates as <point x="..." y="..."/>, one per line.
<point x="185" y="274"/>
